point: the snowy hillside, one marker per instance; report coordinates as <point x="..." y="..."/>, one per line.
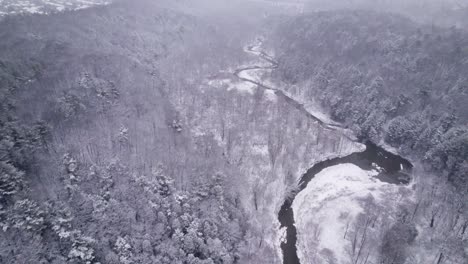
<point x="233" y="131"/>
<point x="45" y="6"/>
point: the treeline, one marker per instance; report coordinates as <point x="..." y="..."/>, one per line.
<point x="446" y="13"/>
<point x="96" y="164"/>
<point x="387" y="78"/>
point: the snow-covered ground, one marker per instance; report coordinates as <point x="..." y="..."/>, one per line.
<point x="331" y="204"/>
<point x="45" y="6"/>
<point x="254" y="74"/>
<point x="228" y="84"/>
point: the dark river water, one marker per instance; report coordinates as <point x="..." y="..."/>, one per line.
<point x="395" y="170"/>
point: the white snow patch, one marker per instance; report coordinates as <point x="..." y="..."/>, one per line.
<point x="260" y="149"/>
<point x="33" y="9"/>
<point x="388" y="148"/>
<point x="45" y="6"/>
<point x="270" y="95"/>
<point x="331" y="201"/>
<point x="254" y="74"/>
<point x="243" y="87"/>
<point x="314" y="109"/>
<point x="228" y="84"/>
<point x="251" y="74"/>
<point x="377" y="167"/>
<point x="219" y="83"/>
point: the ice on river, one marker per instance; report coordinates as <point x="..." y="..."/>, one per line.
<point x="254" y="74"/>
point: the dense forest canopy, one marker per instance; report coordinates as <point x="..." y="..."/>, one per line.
<point x="79" y="91"/>
<point x="398" y="83"/>
<point x="129" y="134"/>
<point x="387" y="78"/>
<point x="439" y="12"/>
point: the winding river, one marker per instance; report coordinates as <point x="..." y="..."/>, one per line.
<point x="273" y="65"/>
<point x="393" y="168"/>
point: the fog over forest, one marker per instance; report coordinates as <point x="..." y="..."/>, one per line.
<point x="234" y="131"/>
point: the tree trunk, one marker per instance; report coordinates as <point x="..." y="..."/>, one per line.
<point x="441" y="256"/>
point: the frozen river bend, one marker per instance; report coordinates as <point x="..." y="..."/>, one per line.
<point x="329" y="208"/>
<point x="337" y="205"/>
<point x="333" y="196"/>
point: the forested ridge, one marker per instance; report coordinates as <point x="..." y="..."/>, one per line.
<point x="92" y="150"/>
<point x="120" y="149"/>
<point x="129" y="134"/>
<point x="446" y="13"/>
<point x="401" y="84"/>
<point x="386" y="77"/>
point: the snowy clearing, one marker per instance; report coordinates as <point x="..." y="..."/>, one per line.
<point x="331" y="202"/>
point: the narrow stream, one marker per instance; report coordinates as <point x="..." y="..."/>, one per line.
<point x="274" y="64"/>
<point x="393" y="168"/>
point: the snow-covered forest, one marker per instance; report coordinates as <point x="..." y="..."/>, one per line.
<point x="246" y="131"/>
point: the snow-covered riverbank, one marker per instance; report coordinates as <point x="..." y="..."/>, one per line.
<point x="271" y="142"/>
<point x="327" y="212"/>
